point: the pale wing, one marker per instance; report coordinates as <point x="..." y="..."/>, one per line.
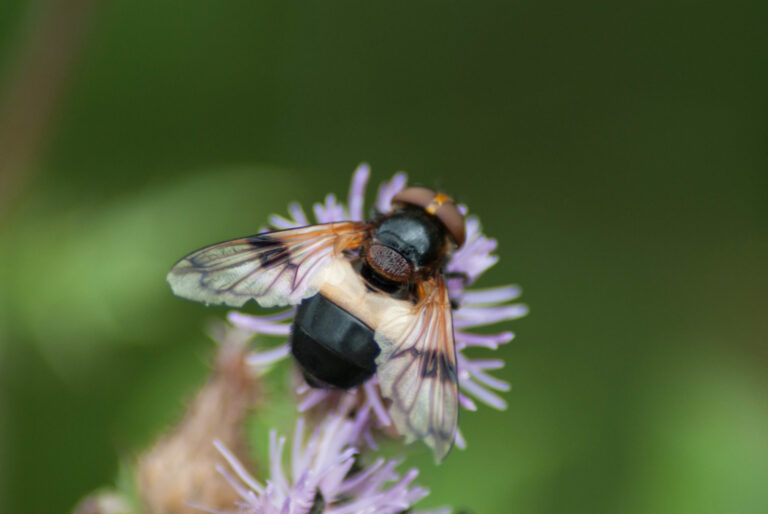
<point x="417" y="370"/>
<point x="274" y="268"/>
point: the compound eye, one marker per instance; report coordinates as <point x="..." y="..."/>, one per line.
<point x="453" y="220"/>
<point x="388" y="262"/>
<point x="438" y="205"/>
<point x="420" y="196"/>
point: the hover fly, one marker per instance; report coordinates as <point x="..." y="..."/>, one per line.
<point x="371" y="297"/>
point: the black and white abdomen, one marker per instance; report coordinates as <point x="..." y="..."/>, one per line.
<point x="333" y="347"/>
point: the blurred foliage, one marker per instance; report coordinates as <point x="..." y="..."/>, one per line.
<point x="617" y="151"/>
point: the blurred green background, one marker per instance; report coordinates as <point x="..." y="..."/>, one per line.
<point x="618" y="151"/>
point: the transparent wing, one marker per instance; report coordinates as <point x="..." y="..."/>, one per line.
<point x="417" y="370"/>
<point x="275" y="268"/>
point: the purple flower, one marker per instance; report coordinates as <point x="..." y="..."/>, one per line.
<point x="324" y="474"/>
<point x="475" y="308"/>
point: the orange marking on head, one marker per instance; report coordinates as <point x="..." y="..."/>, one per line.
<point x="437" y="202"/>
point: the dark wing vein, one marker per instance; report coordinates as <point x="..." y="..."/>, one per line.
<point x="417" y="370"/>
<point x="276" y="268"/>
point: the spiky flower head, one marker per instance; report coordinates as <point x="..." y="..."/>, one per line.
<point x="325" y="474"/>
<point x="475" y="307"/>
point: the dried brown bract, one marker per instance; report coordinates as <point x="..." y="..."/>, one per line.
<point x="180" y="471"/>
